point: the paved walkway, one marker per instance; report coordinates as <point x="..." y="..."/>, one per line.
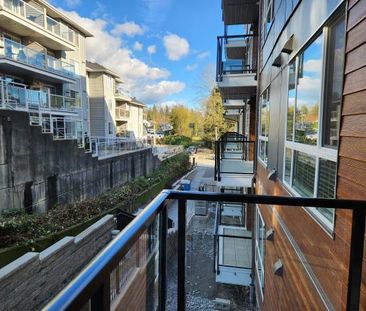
<point x="201" y="286"/>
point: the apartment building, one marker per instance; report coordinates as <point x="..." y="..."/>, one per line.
<point x="113" y="112"/>
<point x="42" y="67"/>
<point x="307" y="83"/>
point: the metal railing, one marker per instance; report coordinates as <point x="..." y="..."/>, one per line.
<point x="92" y="286"/>
<point x="234" y="154"/>
<point x="23" y="54"/>
<point x="225" y="65"/>
<point x="66" y="128"/>
<point x="18" y="96"/>
<point x="103" y="146"/>
<point x="37" y="16"/>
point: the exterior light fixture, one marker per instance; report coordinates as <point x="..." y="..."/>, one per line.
<point x="272" y="175"/>
<point x="270" y="234"/>
<point x="278" y="268"/>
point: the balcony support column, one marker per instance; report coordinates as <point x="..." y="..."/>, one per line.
<point x="162" y="257"/>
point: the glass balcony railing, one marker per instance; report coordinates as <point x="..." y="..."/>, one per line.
<point x="175" y="272"/>
<point x="23" y="54"/>
<point x="35" y="15"/>
<point x="19" y="97"/>
<point x="244" y="64"/>
<point x="234" y="154"/>
<point x="103" y="147"/>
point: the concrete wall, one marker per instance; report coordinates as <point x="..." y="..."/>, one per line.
<point x="29" y="282"/>
<point x="36" y="172"/>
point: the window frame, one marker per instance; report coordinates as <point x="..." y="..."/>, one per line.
<point x="257" y="254"/>
<point x="319" y="151"/>
<point x="262" y="138"/>
<point x="268" y="8"/>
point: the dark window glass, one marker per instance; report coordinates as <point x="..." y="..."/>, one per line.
<point x="334" y="84"/>
<point x="304" y="174"/>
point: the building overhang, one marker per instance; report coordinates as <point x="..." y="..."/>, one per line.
<point x="238" y="12"/>
<point x="238" y="86"/>
<point x="20" y="69"/>
<point x="25" y="28"/>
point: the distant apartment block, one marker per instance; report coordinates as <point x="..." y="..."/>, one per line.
<point x="113" y="112"/>
<point x="42" y="67"/>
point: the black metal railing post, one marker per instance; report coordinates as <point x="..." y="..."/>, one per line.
<point x="356" y="259"/>
<point x="101" y="300"/>
<point x="163" y="222"/>
<point x="215" y="173"/>
<point x="182" y="206"/>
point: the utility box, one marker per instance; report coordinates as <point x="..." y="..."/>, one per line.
<point x="185" y="184"/>
<point x="200" y="208"/>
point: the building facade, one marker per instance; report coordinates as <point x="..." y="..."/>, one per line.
<point x="113" y="112"/>
<point x="301" y="61"/>
<point x="42" y="67"/>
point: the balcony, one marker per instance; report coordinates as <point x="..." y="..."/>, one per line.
<point x="122" y="114"/>
<point x="17" y="96"/>
<point x="236" y="67"/>
<point x="234" y="160"/>
<point x="103" y="147"/>
<point x="27" y="20"/>
<point x="238" y="12"/>
<point x="233" y="244"/>
<point x="21" y="60"/>
<point x="102" y="284"/>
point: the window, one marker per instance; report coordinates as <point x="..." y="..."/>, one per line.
<point x="268" y="16"/>
<point x="333" y="90"/>
<point x="264" y="125"/>
<point x="110" y="128"/>
<point x="260" y="236"/>
<point x="310" y="160"/>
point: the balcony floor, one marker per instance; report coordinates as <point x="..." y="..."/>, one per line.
<point x="236" y="252"/>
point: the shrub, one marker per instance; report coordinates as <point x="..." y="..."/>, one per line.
<point x="177" y="140"/>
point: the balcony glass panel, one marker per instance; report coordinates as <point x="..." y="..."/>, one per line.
<point x="25" y="10"/>
<point x="24" y="54"/>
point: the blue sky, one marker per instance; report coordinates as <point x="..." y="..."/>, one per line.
<point x="181" y="36"/>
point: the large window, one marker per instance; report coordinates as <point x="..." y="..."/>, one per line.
<point x="260" y="236"/>
<point x="313" y="117"/>
<point x="264" y="125"/>
<point x="268" y="16"/>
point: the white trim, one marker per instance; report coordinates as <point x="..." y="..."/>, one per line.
<point x="257" y="255"/>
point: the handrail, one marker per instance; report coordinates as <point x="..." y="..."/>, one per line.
<point x="95" y="277"/>
<point x="224" y="65"/>
<point x="28" y="12"/>
<point x="24" y="54"/>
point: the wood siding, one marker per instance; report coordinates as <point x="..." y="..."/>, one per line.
<point x="327" y="257"/>
<point x="351" y="183"/>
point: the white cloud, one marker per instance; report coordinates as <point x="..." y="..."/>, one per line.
<point x="130" y="29"/>
<point x="108" y="50"/>
<point x="169" y="103"/>
<point x="176" y="47"/>
<point x="191" y="67"/>
<point x="203" y="55"/>
<point x="313" y="65"/>
<point x="151" y="49"/>
<point x="72" y="3"/>
<point x="157" y="92"/>
<point x="138" y="46"/>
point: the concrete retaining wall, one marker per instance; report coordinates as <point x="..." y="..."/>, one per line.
<point x="37" y="172"/>
<point x="29" y="282"/>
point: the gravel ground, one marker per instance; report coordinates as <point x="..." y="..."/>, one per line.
<point x="201" y="286"/>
